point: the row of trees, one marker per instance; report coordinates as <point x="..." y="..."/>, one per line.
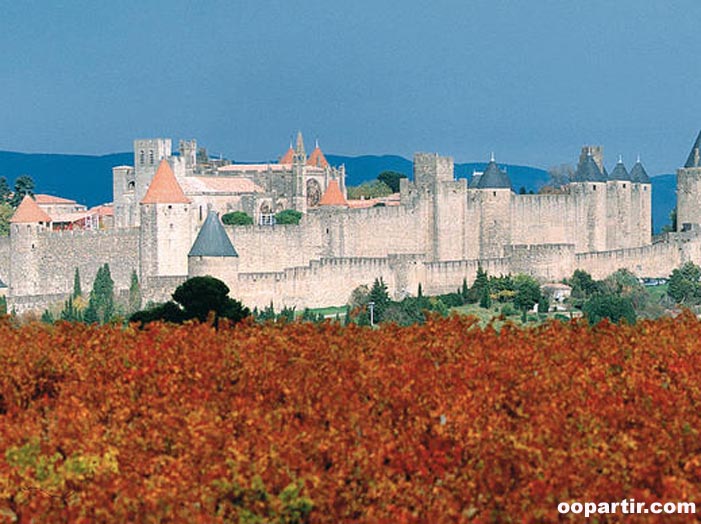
<point x="386" y="183"/>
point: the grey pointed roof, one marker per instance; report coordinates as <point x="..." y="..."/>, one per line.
<point x="620" y="172"/>
<point x="638" y="174"/>
<point x="493" y="178"/>
<point x="588" y="171"/>
<point x="694" y="159"/>
<point x="212" y="240"/>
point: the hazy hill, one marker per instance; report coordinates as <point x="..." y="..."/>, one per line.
<point x="88" y="179"/>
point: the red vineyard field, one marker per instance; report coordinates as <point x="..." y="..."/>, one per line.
<point x="443" y="422"/>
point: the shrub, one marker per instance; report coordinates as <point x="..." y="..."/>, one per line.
<point x="237" y="218"/>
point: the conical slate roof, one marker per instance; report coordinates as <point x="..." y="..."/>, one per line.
<point x="694" y="159"/>
<point x="29" y="212"/>
<point x="333" y="195"/>
<point x="620" y="172"/>
<point x="638" y="174"/>
<point x="164" y="188"/>
<point x="588" y="171"/>
<point x="493" y="178"/>
<point x="212" y="240"/>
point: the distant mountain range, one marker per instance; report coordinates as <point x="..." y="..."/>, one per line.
<point x="88" y="179"/>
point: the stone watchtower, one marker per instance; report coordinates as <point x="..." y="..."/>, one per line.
<point x="689" y="190"/>
<point x="166" y="228"/>
<point x="26" y="225"/>
<point x="589" y="188"/>
<point x="214" y="254"/>
<point x="494" y="193"/>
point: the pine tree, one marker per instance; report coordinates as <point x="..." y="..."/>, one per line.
<point x="380" y="297"/>
<point x="134" y="293"/>
<point x="465" y="291"/>
<point x="101" y="305"/>
<point x="486" y="299"/>
<point x="479" y="285"/>
<point x="77" y="291"/>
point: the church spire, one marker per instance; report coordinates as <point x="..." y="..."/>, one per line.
<point x="300" y="155"/>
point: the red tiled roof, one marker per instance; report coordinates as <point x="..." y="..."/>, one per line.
<point x="50" y="199"/>
<point x="28" y="212"/>
<point x="333" y="195"/>
<point x="288" y="157"/>
<point x="164" y="188"/>
<point x="317" y="158"/>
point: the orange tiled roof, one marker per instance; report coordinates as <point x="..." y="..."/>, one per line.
<point x="102" y="210"/>
<point x="288" y="157"/>
<point x="50" y="199"/>
<point x="29" y="212"/>
<point x="317" y="158"/>
<point x="164" y="188"/>
<point x="333" y="196"/>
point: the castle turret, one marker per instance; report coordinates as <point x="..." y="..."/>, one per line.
<point x="165" y="226"/>
<point x="689" y="189"/>
<point x="213" y="254"/>
<point x="619" y="209"/>
<point x="588" y="186"/>
<point x="28" y="221"/>
<point x="333" y="197"/>
<point x="317" y="158"/>
<point x="642" y="203"/>
<point x="494" y="189"/>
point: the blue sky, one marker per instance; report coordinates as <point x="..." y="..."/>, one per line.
<point x="531" y="81"/>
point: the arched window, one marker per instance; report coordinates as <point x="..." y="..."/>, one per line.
<point x="141" y="157"/>
<point x="313" y="192"/>
<point x="150" y="156"/>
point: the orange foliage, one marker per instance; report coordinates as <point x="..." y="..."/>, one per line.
<point x="443" y="422"/>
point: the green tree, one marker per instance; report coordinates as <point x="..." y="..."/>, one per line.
<point x="486" y="298"/>
<point x="24" y="185"/>
<point x="6" y="212"/>
<point x="196" y="299"/>
<point x="70" y="313"/>
<point x="77" y="291"/>
<point x="237" y="218"/>
<point x="288" y="216"/>
<point x="391" y="179"/>
<point x="380" y="297"/>
<point x="481" y="283"/>
<point x="101" y="304"/>
<point x="134" y="293"/>
<point x="527" y="292"/>
<point x="613" y="307"/>
<point x="583" y="285"/>
<point x="684" y="286"/>
<point x="672" y="226"/>
<point x="5" y="191"/>
<point x="373" y="189"/>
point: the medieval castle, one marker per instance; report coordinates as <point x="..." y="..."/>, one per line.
<point x="166" y="227"/>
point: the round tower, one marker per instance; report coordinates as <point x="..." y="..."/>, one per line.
<point x="689" y="190"/>
<point x="588" y="187"/>
<point x="213" y="254"/>
<point x="495" y="194"/>
<point x="26" y="227"/>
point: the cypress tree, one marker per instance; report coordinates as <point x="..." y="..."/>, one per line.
<point x="77" y="291"/>
<point x="134" y="293"/>
<point x="101" y="305"/>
